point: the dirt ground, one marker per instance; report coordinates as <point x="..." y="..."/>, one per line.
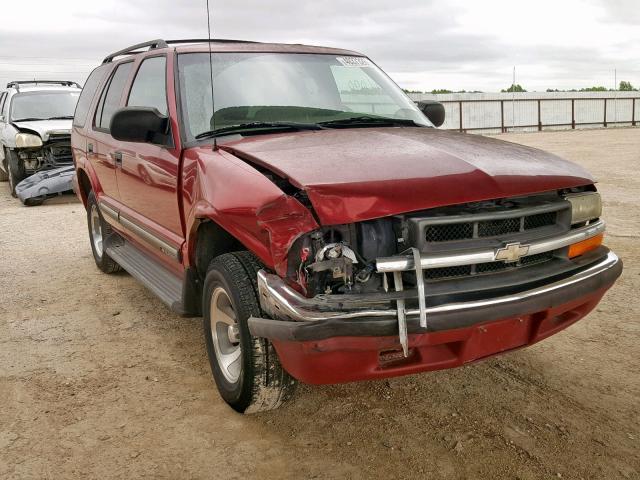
<point x="99" y="380"/>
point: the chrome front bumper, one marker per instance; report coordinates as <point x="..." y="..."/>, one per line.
<point x="289" y="309"/>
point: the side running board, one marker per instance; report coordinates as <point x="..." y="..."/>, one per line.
<point x="165" y="284"/>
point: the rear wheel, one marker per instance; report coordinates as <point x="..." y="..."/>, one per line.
<point x="15" y="170"/>
<point x="99" y="231"/>
<point x="4" y="176"/>
<point x="246" y="369"/>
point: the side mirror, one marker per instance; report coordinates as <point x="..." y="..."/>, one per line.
<point x="140" y="124"/>
<point x="434" y="111"/>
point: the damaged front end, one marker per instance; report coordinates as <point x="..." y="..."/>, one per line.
<point x="45" y="165"/>
<point x="36" y="154"/>
<point x="442" y="270"/>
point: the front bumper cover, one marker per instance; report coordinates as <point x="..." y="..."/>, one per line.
<point x="303" y="319"/>
<point x="34" y="189"/>
<point x="329" y="346"/>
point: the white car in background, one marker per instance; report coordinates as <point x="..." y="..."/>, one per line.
<point x="35" y="127"/>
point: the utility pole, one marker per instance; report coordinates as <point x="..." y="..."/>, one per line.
<point x="615" y="96"/>
<point x="513" y="100"/>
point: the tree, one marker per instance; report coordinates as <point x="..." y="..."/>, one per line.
<point x="594" y="89"/>
<point x="515" y="87"/>
<point x="626" y="87"/>
<point x="441" y="90"/>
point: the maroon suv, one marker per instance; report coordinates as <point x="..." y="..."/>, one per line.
<point x="317" y="220"/>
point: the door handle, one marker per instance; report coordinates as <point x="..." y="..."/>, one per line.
<point x="117" y="156"/>
<point x="89" y="147"/>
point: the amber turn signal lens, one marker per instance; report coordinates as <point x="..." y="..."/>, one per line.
<point x="585" y="246"/>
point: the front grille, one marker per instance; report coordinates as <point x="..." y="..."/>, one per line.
<point x="538" y="258"/>
<point x="493" y="228"/>
<point x="447" y="272"/>
<point x="59" y="154"/>
<point x="487" y="225"/>
<point x="448" y="232"/>
<point x="484" y="268"/>
<point x="493" y="267"/>
<point x="540" y="220"/>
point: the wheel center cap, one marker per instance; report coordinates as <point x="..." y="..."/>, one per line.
<point x="234" y="333"/>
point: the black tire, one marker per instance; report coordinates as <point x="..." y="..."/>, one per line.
<point x="103" y="261"/>
<point x="262" y="383"/>
<point x="35" y="201"/>
<point x="4" y="176"/>
<point x="15" y="170"/>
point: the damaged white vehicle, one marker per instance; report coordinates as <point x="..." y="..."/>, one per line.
<point x="35" y="128"/>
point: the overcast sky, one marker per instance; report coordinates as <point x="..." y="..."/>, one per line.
<point x="422" y="44"/>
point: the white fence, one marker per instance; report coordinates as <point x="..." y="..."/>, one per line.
<point x="530" y="111"/>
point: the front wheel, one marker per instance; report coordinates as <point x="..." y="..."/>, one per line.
<point x="4" y="169"/>
<point x="246" y="369"/>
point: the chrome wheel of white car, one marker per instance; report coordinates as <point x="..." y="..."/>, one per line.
<point x="226" y="335"/>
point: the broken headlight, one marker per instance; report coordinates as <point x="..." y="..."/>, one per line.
<point x="27" y="140"/>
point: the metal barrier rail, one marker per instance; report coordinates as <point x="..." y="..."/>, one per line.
<point x="540" y="124"/>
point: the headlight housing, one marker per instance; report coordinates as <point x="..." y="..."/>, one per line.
<point x="585" y="206"/>
<point x="27" y="140"/>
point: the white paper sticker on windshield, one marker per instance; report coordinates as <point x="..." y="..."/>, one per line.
<point x="354" y="61"/>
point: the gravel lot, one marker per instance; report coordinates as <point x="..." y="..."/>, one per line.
<point x="99" y="380"/>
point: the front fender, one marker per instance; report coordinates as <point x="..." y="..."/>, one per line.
<point x="9" y="136"/>
<point x="220" y="187"/>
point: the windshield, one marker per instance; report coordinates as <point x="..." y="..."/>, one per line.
<point x="253" y="88"/>
<point x="43" y="105"/>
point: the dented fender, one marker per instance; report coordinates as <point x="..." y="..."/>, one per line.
<point x="226" y="190"/>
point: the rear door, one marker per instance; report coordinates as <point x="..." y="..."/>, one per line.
<point x="3" y="96"/>
<point x="82" y="139"/>
<point x="4" y="112"/>
<point x="148" y="175"/>
<point x="104" y="157"/>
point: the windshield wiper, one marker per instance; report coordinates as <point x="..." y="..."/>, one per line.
<point x="27" y="119"/>
<point x="245" y="127"/>
<point x="63" y="117"/>
<point x="370" y="120"/>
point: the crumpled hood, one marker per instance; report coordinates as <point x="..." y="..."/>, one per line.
<point x="364" y="173"/>
<point x="44" y="128"/>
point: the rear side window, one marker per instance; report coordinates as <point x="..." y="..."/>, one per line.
<point x="3" y="100"/>
<point x="5" y="107"/>
<point x="110" y="100"/>
<point x="149" y="88"/>
<point x="88" y="92"/>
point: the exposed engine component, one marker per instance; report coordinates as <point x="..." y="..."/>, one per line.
<point x="341" y="258"/>
<point x="51" y="155"/>
<point x="335" y="250"/>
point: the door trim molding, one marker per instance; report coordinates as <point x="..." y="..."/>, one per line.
<point x="143" y="233"/>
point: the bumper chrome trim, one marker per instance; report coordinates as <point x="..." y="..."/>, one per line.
<point x="406" y="263"/>
<point x="282" y="302"/>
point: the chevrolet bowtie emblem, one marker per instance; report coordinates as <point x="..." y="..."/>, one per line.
<point x="511" y="252"/>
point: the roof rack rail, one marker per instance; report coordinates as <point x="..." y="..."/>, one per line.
<point x="159" y="43"/>
<point x="153" y="44"/>
<point x="207" y="40"/>
<point x="65" y="83"/>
